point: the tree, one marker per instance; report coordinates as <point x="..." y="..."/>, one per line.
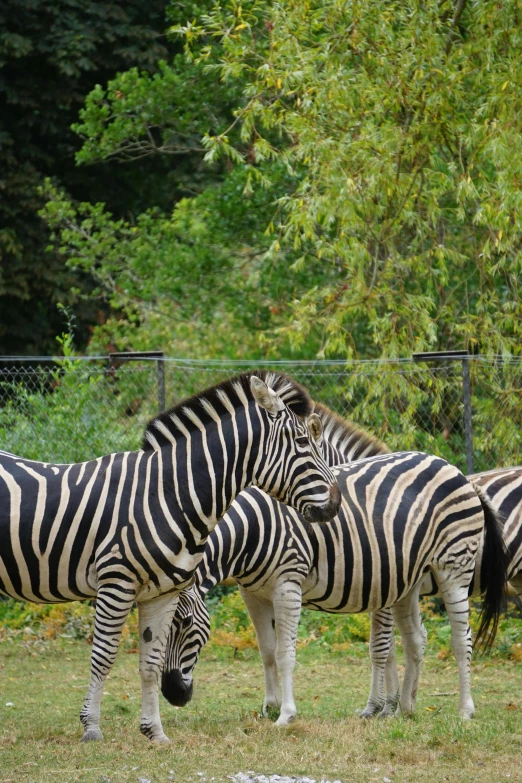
<point x="51" y="56"/>
<point x="371" y="203"/>
<point x="402" y="123"/>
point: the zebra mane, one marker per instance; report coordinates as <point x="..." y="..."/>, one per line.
<point x="290" y="392"/>
<point x="346" y="437"/>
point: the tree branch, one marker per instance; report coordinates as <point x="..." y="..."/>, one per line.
<point x="461" y="4"/>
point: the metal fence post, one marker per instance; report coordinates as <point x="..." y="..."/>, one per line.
<point x="462" y="356"/>
<point x="466" y="393"/>
<point x="160" y="364"/>
<point x="134" y="356"/>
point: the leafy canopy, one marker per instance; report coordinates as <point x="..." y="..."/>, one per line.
<point x="363" y="195"/>
<point x="401" y="122"/>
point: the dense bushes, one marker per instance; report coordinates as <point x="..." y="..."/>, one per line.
<point x="232" y="630"/>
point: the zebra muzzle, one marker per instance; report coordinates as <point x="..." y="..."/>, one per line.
<point x="175" y="689"/>
<point x="326" y="512"/>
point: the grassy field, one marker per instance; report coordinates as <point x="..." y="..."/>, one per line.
<point x="220" y="734"/>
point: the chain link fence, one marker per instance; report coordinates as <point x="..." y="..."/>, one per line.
<point x="466" y="409"/>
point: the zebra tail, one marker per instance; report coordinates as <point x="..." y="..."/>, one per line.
<point x="493" y="574"/>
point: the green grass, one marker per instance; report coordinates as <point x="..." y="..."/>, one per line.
<point x="219" y="734"/>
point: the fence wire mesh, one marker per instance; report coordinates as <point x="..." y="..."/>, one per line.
<point x="75" y="409"/>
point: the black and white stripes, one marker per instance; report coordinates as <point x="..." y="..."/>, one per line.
<point x="402" y="515"/>
<point x="132" y="526"/>
<point x="503" y="489"/>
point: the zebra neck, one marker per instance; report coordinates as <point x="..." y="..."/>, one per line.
<point x="206" y="470"/>
<point x="230" y="544"/>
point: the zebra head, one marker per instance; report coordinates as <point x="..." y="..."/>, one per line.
<point x="189" y="632"/>
<point x="291" y="466"/>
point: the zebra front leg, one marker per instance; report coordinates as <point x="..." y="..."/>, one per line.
<point x="261" y="612"/>
<point x="406" y="614"/>
<point x="155" y="619"/>
<point x="457" y="606"/>
<point x="288" y="599"/>
<point x="391" y="680"/>
<point x="113" y="604"/>
<point x="380" y="639"/>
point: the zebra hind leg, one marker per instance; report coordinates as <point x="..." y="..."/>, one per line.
<point x="261" y="612"/>
<point x="380" y="640"/>
<point x="288" y="598"/>
<point x="455" y="598"/>
<point x="155" y="619"/>
<point x="406" y="614"/>
<point x="113" y="604"/>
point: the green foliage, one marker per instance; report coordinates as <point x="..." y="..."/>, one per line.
<point x="367" y="201"/>
<point x="202" y="281"/>
<point x="231" y="612"/>
<point x="73" y="412"/>
<point x="51" y="56"/>
<point x="47" y="621"/>
<point x="231" y="627"/>
<point x="337" y="632"/>
<point x="401" y="125"/>
<point x="140" y="114"/>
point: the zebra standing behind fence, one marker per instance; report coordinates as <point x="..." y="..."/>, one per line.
<point x="132" y="526"/>
<point x="402" y="515"/>
<point x="503" y="487"/>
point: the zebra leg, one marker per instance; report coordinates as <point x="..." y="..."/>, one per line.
<point x="288" y="599"/>
<point x="261" y="612"/>
<point x="455" y="598"/>
<point x="155" y="619"/>
<point x="516" y="584"/>
<point x="381" y="629"/>
<point x="113" y="604"/>
<point x="391" y="679"/>
<point x="406" y="614"/>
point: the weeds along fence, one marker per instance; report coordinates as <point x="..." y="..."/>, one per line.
<point x="466" y="409"/>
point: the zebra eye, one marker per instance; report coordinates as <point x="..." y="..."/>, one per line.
<point x="186" y="622"/>
<point x="302" y="440"/>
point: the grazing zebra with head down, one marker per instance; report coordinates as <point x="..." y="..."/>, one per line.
<point x="402" y="515"/>
<point x="503" y="487"/>
<point x="132" y="526"/>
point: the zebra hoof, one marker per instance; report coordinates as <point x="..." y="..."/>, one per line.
<point x="162" y="739"/>
<point x="154" y="733"/>
<point x="284" y="721"/>
<point x="386" y="713"/>
<point x="92" y="735"/>
<point x="370" y="712"/>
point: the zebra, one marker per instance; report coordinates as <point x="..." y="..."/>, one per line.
<point x="191" y="626"/>
<point x="370" y="557"/>
<point x="503" y="487"/>
<point x="132" y="526"/>
<point x="340" y="441"/>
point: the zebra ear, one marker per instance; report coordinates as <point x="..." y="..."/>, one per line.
<point x="315" y="425"/>
<point x="265" y="396"/>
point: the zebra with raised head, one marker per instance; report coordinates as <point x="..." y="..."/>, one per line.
<point x="133" y="526"/>
<point x="503" y="487"/>
<point x="402" y="515"/>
